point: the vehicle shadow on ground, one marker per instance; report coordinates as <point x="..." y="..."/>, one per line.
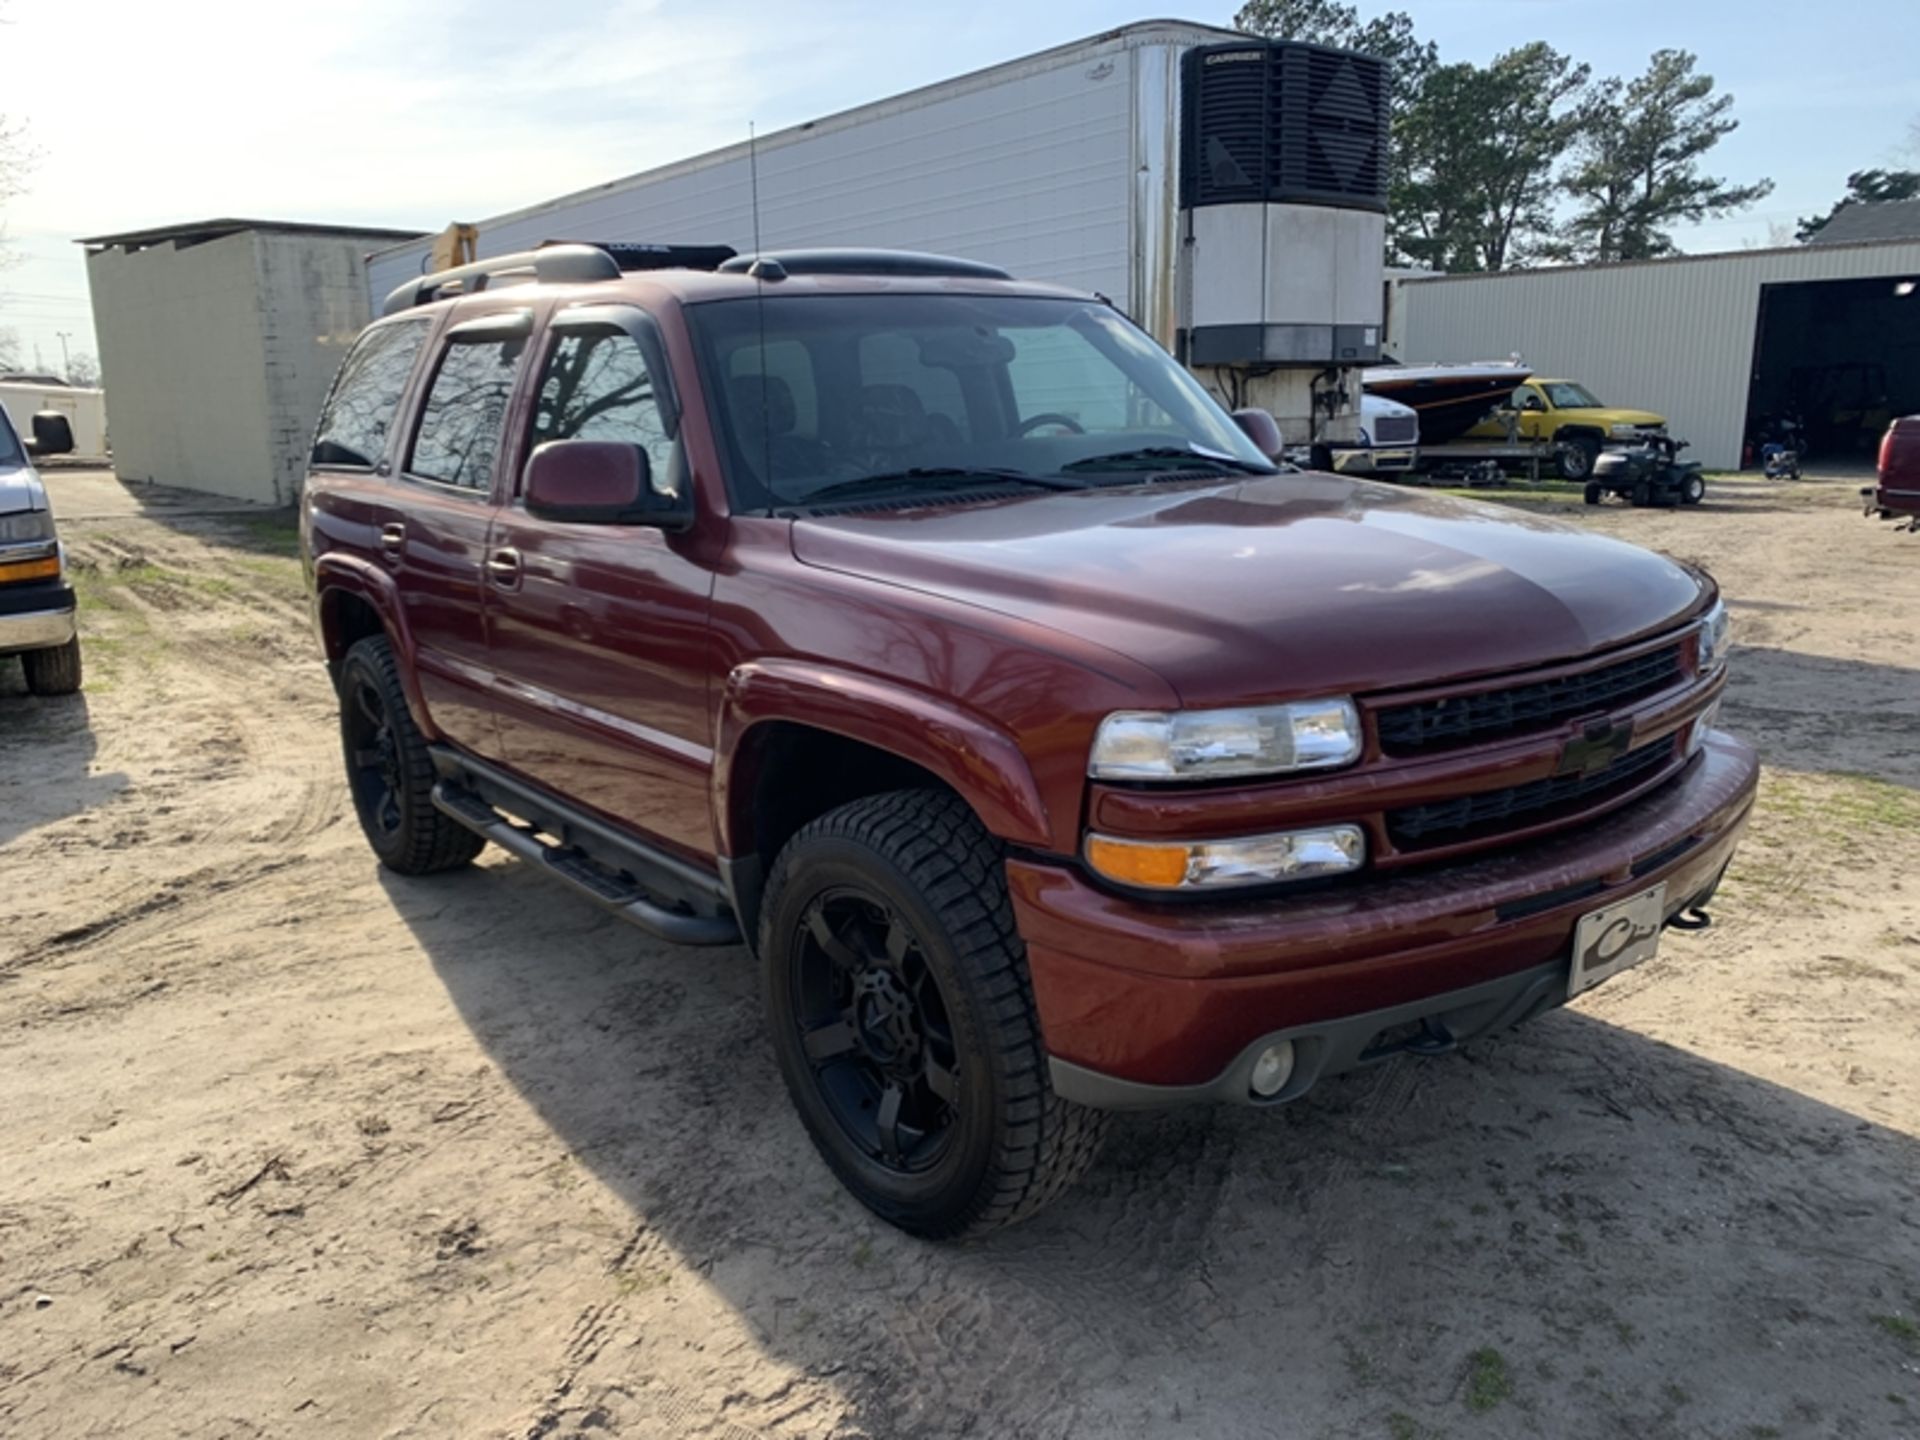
<point x="1820" y="715"/>
<point x="1573" y="1230"/>
<point x="46" y="754"/>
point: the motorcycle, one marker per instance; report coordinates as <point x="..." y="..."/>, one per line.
<point x="1782" y="446"/>
<point x="1650" y="473"/>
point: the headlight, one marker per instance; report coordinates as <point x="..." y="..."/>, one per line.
<point x="27" y="525"/>
<point x="1228" y="864"/>
<point x="1213" y="744"/>
<point x="1713" y="638"/>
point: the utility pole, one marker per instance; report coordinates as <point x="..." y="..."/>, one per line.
<point x="66" y="365"/>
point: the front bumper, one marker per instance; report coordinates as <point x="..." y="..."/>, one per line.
<point x="38" y="617"/>
<point x="1145" y="1002"/>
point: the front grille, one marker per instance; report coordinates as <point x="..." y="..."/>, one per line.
<point x="1459" y="720"/>
<point x="1472" y="817"/>
<point x="1395" y="429"/>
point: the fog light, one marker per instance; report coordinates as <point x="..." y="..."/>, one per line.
<point x="1697" y="737"/>
<point x="1272" y="1070"/>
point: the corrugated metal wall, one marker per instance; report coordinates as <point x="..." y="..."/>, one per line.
<point x="1674" y="336"/>
<point x="1028" y="165"/>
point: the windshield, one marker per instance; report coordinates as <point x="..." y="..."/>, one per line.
<point x="10" y="451"/>
<point x="1565" y="395"/>
<point x="819" y="392"/>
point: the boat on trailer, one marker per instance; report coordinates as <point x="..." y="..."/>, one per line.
<point x="1450" y="399"/>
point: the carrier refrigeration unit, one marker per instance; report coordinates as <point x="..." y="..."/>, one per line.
<point x="1226" y="192"/>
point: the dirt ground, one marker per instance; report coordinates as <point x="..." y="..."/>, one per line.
<point x="292" y="1147"/>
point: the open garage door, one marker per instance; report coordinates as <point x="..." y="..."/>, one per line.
<point x="1841" y="355"/>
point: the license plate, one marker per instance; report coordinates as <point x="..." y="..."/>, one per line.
<point x="1617" y="938"/>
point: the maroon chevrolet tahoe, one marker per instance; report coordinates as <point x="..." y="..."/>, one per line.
<point x="941" y="638"/>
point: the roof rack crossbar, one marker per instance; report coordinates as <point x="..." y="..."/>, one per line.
<point x="554" y="265"/>
<point x="864" y="262"/>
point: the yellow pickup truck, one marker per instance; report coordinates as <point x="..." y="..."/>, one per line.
<point x="1567" y="412"/>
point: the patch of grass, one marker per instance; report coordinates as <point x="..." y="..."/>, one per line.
<point x="1676" y="1394"/>
<point x="863" y="1254"/>
<point x="1763" y="1432"/>
<point x="1359" y="1364"/>
<point x="1838" y="804"/>
<point x="1901" y="1329"/>
<point x="1402" y="1426"/>
<point x="1489" y="1382"/>
<point x="276" y="533"/>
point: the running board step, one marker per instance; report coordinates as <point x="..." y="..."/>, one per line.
<point x="604" y="887"/>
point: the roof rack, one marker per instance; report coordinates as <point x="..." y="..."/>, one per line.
<point x="858" y="262"/>
<point x="643" y="255"/>
<point x="554" y="265"/>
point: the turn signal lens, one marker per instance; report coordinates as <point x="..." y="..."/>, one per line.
<point x="1226" y="864"/>
<point x="46" y="568"/>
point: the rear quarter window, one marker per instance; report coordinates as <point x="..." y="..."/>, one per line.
<point x="359" y="413"/>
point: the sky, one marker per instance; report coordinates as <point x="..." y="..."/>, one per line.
<point x="407" y="114"/>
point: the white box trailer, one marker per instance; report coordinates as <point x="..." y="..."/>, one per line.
<point x="1226" y="192"/>
<point x="85" y="409"/>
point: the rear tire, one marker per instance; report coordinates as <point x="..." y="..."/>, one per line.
<point x="1575" y="458"/>
<point x="1642" y="496"/>
<point x="1593" y="492"/>
<point x="389" y="771"/>
<point x="1692" y="490"/>
<point x="55" y="671"/>
<point x="903" y="1020"/>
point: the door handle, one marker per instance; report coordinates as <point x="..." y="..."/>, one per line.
<point x="393" y="538"/>
<point x="504" y="567"/>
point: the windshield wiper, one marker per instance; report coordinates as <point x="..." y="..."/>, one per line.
<point x="945" y="477"/>
<point x="1154" y="457"/>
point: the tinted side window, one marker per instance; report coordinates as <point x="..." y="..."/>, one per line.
<point x="459" y="433"/>
<point x="353" y="426"/>
<point x="597" y="387"/>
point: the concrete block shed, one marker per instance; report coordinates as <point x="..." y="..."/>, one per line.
<point x="217" y="343"/>
<point x="1713" y="342"/>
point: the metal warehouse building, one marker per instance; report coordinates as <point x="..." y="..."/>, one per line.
<point x="218" y="341"/>
<point x="1713" y="342"/>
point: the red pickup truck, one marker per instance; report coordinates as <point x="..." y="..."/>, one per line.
<point x="1897" y="495"/>
<point x="936" y="634"/>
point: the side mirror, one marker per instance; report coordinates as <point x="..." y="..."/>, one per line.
<point x="1262" y="429"/>
<point x="52" y="434"/>
<point x="599" y="482"/>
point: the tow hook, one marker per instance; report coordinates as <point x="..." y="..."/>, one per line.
<point x="1694" y="917"/>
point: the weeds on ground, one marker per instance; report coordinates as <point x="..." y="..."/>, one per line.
<point x="1488" y="1380"/>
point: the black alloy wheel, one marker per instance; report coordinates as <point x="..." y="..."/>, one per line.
<point x="875" y="1029"/>
<point x="902" y="1017"/>
<point x="389" y="771"/>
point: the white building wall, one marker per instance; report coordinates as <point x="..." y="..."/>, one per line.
<point x="313" y="303"/>
<point x="219" y="353"/>
<point x="1028" y="165"/>
<point x="180" y="348"/>
<point x="1674" y="336"/>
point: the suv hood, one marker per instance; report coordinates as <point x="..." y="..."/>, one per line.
<point x="1274" y="588"/>
<point x="20" y="489"/>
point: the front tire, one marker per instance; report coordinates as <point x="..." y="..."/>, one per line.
<point x="1575" y="458"/>
<point x="1693" y="490"/>
<point x="389" y="771"/>
<point x="903" y="1019"/>
<point x="53" y="672"/>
